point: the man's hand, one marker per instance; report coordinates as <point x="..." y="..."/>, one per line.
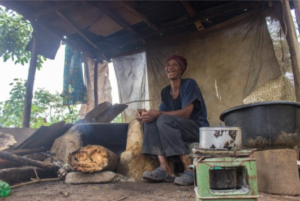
<point x="139" y="114"/>
<point x="149" y="116"/>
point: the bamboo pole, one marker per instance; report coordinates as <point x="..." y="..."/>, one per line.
<point x="96" y="83"/>
<point x="29" y="84"/>
<point x="293" y="45"/>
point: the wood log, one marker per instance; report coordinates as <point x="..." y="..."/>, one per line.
<point x="64" y="145"/>
<point x="26" y="162"/>
<point x="132" y="162"/>
<point x="15" y="175"/>
<point x="7" y="164"/>
<point x="93" y="158"/>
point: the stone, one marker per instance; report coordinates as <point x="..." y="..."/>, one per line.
<point x="64" y="145"/>
<point x="277" y="172"/>
<point x="93" y="178"/>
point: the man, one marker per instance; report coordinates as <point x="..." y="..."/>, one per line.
<point x="169" y="131"/>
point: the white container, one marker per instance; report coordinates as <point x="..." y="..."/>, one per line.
<point x="220" y="138"/>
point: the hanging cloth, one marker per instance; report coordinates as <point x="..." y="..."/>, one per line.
<point x="74" y="90"/>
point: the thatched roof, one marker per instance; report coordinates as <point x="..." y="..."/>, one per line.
<point x="111" y="28"/>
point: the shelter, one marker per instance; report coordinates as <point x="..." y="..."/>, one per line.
<point x="227" y="44"/>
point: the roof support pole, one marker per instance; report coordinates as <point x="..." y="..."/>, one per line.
<point x="293" y="45"/>
<point x="29" y="84"/>
<point x="297" y="12"/>
<point x="96" y="83"/>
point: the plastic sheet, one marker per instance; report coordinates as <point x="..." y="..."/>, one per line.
<point x="104" y="87"/>
<point x="132" y="82"/>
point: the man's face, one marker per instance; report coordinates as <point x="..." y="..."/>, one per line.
<point x="173" y="69"/>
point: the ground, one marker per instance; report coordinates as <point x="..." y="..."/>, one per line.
<point x="122" y="191"/>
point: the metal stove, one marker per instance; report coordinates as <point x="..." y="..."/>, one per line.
<point x="224" y="173"/>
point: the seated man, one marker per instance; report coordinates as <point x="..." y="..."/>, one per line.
<point x="169" y="131"/>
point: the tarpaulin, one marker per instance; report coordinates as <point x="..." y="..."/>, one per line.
<point x="104" y="87"/>
<point x="132" y="83"/>
<point x="228" y="61"/>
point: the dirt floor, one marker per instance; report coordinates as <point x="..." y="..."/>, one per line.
<point x="122" y="191"/>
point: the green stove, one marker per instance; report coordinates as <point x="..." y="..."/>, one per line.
<point x="223" y="175"/>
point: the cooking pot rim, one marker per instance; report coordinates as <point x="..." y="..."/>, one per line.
<point x="226" y="112"/>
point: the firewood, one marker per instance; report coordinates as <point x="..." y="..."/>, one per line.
<point x="14" y="175"/>
<point x="26" y="162"/>
<point x="93" y="158"/>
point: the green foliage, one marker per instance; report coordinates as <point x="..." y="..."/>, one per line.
<point x="118" y="119"/>
<point x="46" y="108"/>
<point x="15" y="34"/>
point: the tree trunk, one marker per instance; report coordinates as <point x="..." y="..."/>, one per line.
<point x="26" y="162"/>
<point x="29" y="85"/>
<point x="93" y="158"/>
<point x="293" y="45"/>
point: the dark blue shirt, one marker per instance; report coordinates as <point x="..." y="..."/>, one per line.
<point x="189" y="93"/>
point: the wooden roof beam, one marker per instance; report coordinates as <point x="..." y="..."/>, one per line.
<point x="50" y="9"/>
<point x="191" y="11"/>
<point x="104" y="9"/>
<point x="139" y="14"/>
<point x="74" y="26"/>
<point x="28" y="15"/>
<point x="203" y="15"/>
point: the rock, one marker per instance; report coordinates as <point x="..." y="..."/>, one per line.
<point x="63" y="171"/>
<point x="277" y="172"/>
<point x="6" y="141"/>
<point x="93" y="178"/>
<point x="132" y="162"/>
<point x="122" y="178"/>
<point x="66" y="144"/>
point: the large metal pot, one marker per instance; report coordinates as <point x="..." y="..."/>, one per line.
<point x="272" y="124"/>
<point x="220" y="138"/>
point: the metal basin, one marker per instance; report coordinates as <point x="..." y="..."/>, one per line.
<point x="272" y="124"/>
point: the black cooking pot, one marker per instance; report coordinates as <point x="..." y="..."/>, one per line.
<point x="272" y="124"/>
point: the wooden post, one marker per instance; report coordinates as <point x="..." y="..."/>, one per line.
<point x="297" y="12"/>
<point x="293" y="45"/>
<point x="96" y="83"/>
<point x="29" y="84"/>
